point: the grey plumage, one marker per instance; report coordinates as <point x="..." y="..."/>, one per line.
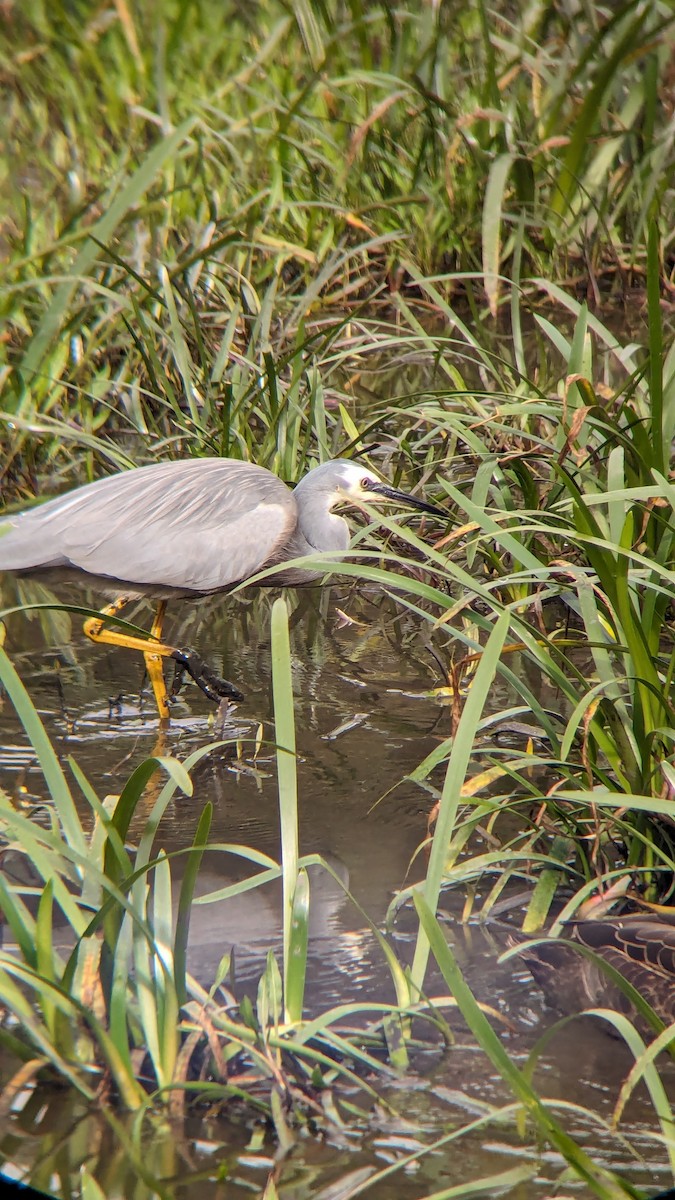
<point x="198" y="525"/>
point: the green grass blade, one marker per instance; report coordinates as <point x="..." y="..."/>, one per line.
<point x="282" y="688"/>
<point x="454" y="778"/>
<point x="49" y="763"/>
<point x="660" y="452"/>
<point x="493" y="212"/>
<point x="297" y="956"/>
<point x="185" y="899"/>
<point x="567" y="184"/>
<point x="163" y="974"/>
<point x="102" y="231"/>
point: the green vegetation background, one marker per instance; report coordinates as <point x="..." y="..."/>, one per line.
<point x="285" y="231"/>
<point x="195" y="194"/>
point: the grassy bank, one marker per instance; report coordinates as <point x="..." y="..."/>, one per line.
<point x="200" y="200"/>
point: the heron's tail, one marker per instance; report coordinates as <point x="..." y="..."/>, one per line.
<point x="21" y="551"/>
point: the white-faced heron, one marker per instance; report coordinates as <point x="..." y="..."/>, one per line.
<point x="189" y="528"/>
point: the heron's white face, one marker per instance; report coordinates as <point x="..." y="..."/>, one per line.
<point x="357" y="483"/>
<point x="343" y="482"/>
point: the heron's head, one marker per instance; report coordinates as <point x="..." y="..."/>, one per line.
<point x="345" y="482"/>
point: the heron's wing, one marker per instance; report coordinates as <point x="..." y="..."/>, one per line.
<point x="202" y="524"/>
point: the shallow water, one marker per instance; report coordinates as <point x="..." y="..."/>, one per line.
<point x="365" y="720"/>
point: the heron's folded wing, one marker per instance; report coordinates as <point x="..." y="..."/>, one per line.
<point x="202" y="524"/>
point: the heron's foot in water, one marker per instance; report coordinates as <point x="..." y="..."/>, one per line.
<point x="217" y="689"/>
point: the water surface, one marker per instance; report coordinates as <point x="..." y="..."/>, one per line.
<point x="365" y="719"/>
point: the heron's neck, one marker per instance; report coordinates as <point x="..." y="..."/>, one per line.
<point x="321" y="529"/>
<point x="318" y="530"/>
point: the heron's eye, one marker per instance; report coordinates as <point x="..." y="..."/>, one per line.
<point x="366" y="485"/>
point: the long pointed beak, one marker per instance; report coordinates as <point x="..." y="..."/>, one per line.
<point x="390" y="493"/>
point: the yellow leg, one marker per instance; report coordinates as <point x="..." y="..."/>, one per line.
<point x="153" y="665"/>
<point x="95" y="629"/>
<point x="154" y="650"/>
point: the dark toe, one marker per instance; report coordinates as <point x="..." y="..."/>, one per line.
<point x="205" y="677"/>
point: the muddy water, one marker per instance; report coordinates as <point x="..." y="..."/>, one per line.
<point x="364" y="722"/>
